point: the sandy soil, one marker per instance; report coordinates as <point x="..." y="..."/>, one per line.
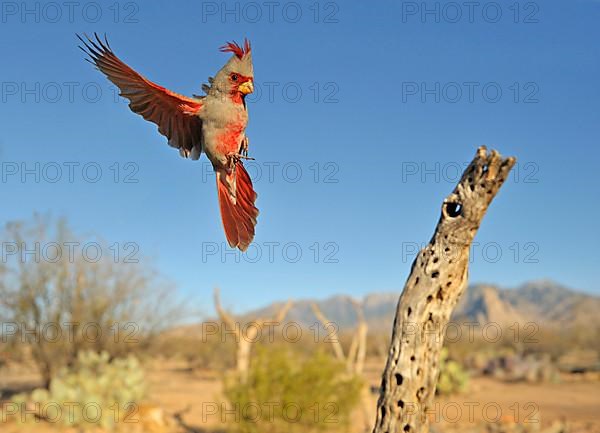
<point x="195" y="399"/>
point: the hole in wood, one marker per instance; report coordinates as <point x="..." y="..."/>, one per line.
<point x="453" y="209"/>
<point x="407" y="427"/>
<point x="429" y="299"/>
<point x="412" y="358"/>
<point x="400" y="404"/>
<point x="435" y="260"/>
<point x="399" y="379"/>
<point x="435" y="274"/>
<point x="409" y="311"/>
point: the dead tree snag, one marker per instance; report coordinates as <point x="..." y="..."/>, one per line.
<point x="437" y="279"/>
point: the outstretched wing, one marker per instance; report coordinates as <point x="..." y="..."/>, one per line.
<point x="176" y="115"/>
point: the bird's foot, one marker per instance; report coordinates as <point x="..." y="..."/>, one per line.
<point x="238" y="156"/>
<point x="244" y="147"/>
<point x="234" y="158"/>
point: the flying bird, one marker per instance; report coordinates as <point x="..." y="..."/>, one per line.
<point x="214" y="124"/>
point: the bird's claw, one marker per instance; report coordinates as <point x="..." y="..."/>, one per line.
<point x="237" y="156"/>
<point x="234" y="158"/>
<point x="244" y="147"/>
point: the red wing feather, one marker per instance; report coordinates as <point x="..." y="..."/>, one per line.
<point x="176" y="115"/>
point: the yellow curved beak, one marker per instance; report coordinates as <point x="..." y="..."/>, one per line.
<point x="246" y="87"/>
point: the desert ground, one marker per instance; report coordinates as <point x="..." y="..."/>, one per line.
<point x="184" y="400"/>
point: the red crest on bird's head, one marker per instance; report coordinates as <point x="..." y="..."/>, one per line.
<point x="233" y="47"/>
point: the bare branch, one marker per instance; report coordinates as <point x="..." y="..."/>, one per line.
<point x="335" y="341"/>
<point x="245" y="340"/>
<point x="225" y="317"/>
<point x="352" y="351"/>
<point x="362" y="330"/>
<point x="280" y="317"/>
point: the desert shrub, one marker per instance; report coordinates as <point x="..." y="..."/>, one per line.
<point x="56" y="301"/>
<point x="453" y="377"/>
<point x="95" y="391"/>
<point x="292" y="392"/>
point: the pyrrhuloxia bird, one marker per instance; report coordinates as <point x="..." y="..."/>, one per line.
<point x="214" y="123"/>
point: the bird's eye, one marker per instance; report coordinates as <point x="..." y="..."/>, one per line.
<point x="234" y="77"/>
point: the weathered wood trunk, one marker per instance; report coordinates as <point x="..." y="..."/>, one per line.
<point x="437" y="279"/>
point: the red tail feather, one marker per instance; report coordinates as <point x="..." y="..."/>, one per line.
<point x="238" y="214"/>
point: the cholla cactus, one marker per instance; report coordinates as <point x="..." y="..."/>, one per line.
<point x="95" y="391"/>
<point x="453" y="377"/>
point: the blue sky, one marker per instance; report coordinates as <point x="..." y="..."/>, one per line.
<point x="364" y="113"/>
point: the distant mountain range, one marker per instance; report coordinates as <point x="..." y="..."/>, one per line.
<point x="544" y="302"/>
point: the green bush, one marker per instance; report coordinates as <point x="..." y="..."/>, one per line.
<point x="95" y="391"/>
<point x="290" y="392"/>
<point x="453" y="378"/>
